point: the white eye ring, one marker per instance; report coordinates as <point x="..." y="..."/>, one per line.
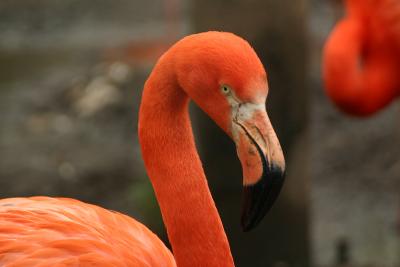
<point x="225" y="89"/>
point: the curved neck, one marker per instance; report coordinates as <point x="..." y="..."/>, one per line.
<point x="189" y="213"/>
<point x="360" y="76"/>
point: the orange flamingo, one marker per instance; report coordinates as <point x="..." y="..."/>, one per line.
<point x="362" y="57"/>
<point x="223" y="75"/>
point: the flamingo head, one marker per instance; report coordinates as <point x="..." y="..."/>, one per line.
<point x="225" y="77"/>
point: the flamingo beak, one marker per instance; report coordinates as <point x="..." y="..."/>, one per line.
<point x="262" y="162"/>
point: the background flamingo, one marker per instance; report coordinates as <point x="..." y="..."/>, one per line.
<point x="224" y="76"/>
<point x="362" y="57"/>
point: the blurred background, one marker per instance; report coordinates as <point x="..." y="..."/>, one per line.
<point x="71" y="75"/>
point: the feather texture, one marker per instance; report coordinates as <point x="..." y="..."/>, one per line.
<point x="43" y="231"/>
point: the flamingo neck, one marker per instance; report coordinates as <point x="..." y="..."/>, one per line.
<point x="359" y="78"/>
<point x="193" y="224"/>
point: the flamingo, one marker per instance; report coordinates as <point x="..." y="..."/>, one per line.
<point x="222" y="74"/>
<point x="361" y="58"/>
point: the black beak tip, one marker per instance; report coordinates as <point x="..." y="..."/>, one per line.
<point x="246" y="225"/>
<point x="259" y="198"/>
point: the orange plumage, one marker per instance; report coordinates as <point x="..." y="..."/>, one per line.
<point x="362" y="57"/>
<point x="223" y="75"/>
<point x="43" y="231"/>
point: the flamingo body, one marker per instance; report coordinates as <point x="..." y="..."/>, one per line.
<point x="43" y="231"/>
<point x="362" y="57"/>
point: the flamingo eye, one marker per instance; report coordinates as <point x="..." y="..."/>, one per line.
<point x="225" y="89"/>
